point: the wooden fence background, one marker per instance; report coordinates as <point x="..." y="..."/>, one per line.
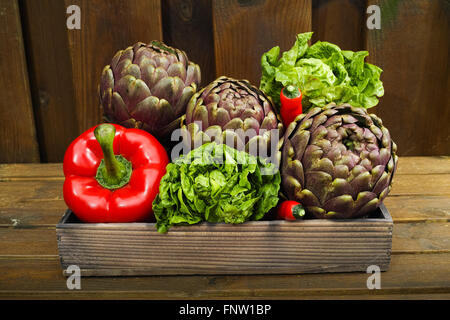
<point x="49" y="74"/>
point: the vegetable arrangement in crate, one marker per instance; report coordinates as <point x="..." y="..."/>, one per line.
<point x="297" y="160"/>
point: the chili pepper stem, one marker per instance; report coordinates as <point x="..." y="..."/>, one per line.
<point x="298" y="212"/>
<point x="291" y="92"/>
<point x="114" y="171"/>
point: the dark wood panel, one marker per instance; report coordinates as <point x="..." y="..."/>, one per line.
<point x="18" y="141"/>
<point x="108" y="26"/>
<point x="245" y="29"/>
<point x="187" y="25"/>
<point x="50" y="76"/>
<point x="341" y="22"/>
<point x="66" y="64"/>
<point x="412" y="48"/>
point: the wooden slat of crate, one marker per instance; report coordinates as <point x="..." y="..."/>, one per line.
<point x="257" y="247"/>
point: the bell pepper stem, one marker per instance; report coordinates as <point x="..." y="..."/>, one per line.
<point x="114" y="171"/>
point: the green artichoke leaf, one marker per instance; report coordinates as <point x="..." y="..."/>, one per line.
<point x="215" y="183"/>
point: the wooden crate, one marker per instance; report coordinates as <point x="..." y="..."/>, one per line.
<point x="256" y="247"/>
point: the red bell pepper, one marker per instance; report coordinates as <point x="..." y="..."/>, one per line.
<point x="112" y="174"/>
<point x="291" y="104"/>
<point x="290" y="210"/>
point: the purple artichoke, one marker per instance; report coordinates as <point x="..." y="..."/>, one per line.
<point x="148" y="87"/>
<point x="338" y="161"/>
<point x="233" y="110"/>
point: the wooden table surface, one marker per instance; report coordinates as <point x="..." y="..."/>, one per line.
<point x="31" y="203"/>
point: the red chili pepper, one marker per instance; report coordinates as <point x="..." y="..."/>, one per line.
<point x="290" y="210"/>
<point x="291" y="104"/>
<point x="120" y="187"/>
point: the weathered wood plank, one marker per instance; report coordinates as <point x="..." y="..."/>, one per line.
<point x="40" y="202"/>
<point x="244" y="30"/>
<point x="28" y="242"/>
<point x="418" y="208"/>
<point x="96" y="43"/>
<point x="416" y="104"/>
<point x="426" y="294"/>
<point x="38" y="171"/>
<point x="329" y="24"/>
<point x="28" y="203"/>
<point x="18" y="142"/>
<point x="28" y="212"/>
<point x="262" y="247"/>
<point x="41" y="171"/>
<point x="419" y="185"/>
<point x="423" y="165"/>
<point x="66" y="64"/>
<point x="181" y="18"/>
<point x="51" y="77"/>
<point x="407" y="237"/>
<point x="421" y="274"/>
<point x="421" y="238"/>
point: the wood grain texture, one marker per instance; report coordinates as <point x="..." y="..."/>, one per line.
<point x="66" y="64"/>
<point x="31" y="194"/>
<point x="256" y="247"/>
<point x="18" y="142"/>
<point x="38" y="171"/>
<point x="341" y="22"/>
<point x="187" y="25"/>
<point x="409" y="276"/>
<point x="417" y="208"/>
<point x="108" y="26"/>
<point x="40" y="240"/>
<point x="420" y="238"/>
<point x="28" y="203"/>
<point x="30" y="267"/>
<point x="406" y="165"/>
<point x="412" y="48"/>
<point x="43" y="205"/>
<point x="434" y="184"/>
<point x="423" y="165"/>
<point x="244" y="30"/>
<point x="51" y="77"/>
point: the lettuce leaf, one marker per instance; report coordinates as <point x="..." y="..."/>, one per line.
<point x="215" y="183"/>
<point x="323" y="72"/>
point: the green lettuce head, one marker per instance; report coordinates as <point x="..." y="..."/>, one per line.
<point x="323" y="72"/>
<point x="216" y="183"/>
